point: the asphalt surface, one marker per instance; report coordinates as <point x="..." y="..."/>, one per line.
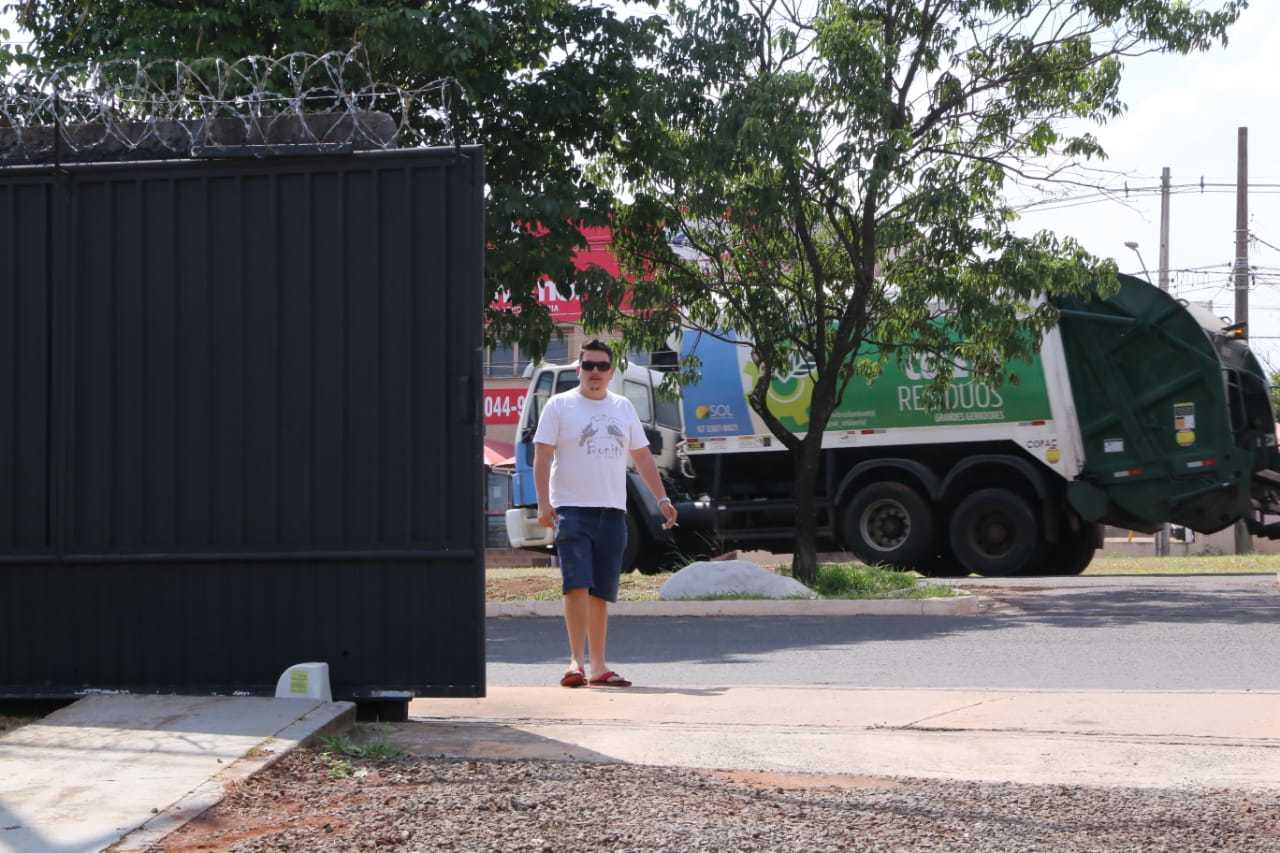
<point x="1117" y="633"/>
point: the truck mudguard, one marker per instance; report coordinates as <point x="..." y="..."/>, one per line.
<point x="645" y="508"/>
<point x="918" y="471"/>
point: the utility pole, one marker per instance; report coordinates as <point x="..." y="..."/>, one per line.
<point x="1242" y="228"/>
<point x="1162" y="535"/>
<point x="1244" y="542"/>
<point x="1164" y="229"/>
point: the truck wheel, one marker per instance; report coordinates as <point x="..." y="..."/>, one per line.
<point x="632" y="551"/>
<point x="1073" y="554"/>
<point x="640" y="554"/>
<point x="994" y="533"/>
<point x="889" y="524"/>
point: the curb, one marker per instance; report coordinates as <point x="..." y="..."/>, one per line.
<point x="325" y="719"/>
<point x="961" y="605"/>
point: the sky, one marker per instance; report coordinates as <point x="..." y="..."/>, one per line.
<point x="1183" y="113"/>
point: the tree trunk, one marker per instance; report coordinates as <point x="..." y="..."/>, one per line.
<point x="804" y="560"/>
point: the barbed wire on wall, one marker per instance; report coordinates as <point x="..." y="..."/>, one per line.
<point x="254" y="106"/>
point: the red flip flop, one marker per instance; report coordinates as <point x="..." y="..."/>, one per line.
<point x="609" y="679"/>
<point x="573" y="678"/>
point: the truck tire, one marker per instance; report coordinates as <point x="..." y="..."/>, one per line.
<point x="889" y="524"/>
<point x="1073" y="554"/>
<point x="994" y="533"/>
<point x="640" y="554"/>
<point x="632" y="551"/>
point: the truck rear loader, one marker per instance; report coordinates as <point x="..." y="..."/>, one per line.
<point x="1139" y="410"/>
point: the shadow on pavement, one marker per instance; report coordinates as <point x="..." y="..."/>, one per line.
<point x="1102" y="607"/>
<point x="734" y="640"/>
<point x="483" y="739"/>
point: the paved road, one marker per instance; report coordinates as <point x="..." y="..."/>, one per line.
<point x="1171" y="633"/>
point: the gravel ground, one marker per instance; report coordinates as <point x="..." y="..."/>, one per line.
<point x="436" y="804"/>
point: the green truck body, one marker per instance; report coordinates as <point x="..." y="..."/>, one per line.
<point x="1173" y="412"/>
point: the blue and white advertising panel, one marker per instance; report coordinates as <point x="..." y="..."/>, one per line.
<point x="715" y="407"/>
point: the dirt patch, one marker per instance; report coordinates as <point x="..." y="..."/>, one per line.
<point x="229" y="831"/>
<point x="526" y="583"/>
<point x="518" y="588"/>
<point x="638" y="587"/>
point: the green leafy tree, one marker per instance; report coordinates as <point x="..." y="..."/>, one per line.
<point x="836" y="173"/>
<point x="549" y="84"/>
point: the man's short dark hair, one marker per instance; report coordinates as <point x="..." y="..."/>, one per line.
<point x="596" y="345"/>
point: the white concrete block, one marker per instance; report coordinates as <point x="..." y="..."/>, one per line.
<point x="305" y="681"/>
<point x="731" y="577"/>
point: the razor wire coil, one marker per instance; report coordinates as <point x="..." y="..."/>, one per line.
<point x="257" y="103"/>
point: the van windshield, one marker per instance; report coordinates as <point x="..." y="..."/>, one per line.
<point x="538" y="399"/>
<point x="566" y="381"/>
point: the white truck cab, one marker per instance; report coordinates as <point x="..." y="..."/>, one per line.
<point x="662" y="425"/>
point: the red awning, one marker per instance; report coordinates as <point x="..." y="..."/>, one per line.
<point x="499" y="453"/>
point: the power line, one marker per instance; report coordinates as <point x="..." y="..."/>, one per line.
<point x="1263" y="242"/>
<point x="1122" y="193"/>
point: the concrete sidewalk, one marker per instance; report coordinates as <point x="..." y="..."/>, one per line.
<point x="1142" y="739"/>
<point x="115" y="767"/>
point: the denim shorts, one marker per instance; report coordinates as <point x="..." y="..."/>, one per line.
<point x="590" y="542"/>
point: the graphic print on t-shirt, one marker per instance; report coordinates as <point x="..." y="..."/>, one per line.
<point x="603" y="436"/>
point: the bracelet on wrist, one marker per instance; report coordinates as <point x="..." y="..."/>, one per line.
<point x="664" y="500"/>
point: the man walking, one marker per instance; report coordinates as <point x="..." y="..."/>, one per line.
<point x="580" y="471"/>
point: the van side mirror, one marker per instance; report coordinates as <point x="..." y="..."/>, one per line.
<point x="655" y="439"/>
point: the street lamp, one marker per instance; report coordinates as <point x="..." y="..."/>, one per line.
<point x="1162" y="535"/>
<point x="1133" y="244"/>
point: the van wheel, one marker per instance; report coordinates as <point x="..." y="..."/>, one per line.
<point x="889" y="524"/>
<point x="994" y="533"/>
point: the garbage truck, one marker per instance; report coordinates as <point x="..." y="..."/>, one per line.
<point x="1138" y="410"/>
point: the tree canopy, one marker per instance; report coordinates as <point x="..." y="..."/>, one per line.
<point x="834" y="174"/>
<point x="550" y="84"/>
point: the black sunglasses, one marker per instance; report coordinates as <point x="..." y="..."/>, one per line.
<point x="602" y="366"/>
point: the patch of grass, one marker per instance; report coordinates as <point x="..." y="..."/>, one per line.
<point x="381" y="751"/>
<point x="338" y="744"/>
<point x="343" y="747"/>
<point x="1104" y="564"/>
<point x="849" y="580"/>
<point x="853" y="580"/>
<point x="339" y="768"/>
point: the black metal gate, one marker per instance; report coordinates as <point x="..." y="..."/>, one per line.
<point x="240" y="425"/>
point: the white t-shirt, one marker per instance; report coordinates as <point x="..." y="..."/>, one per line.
<point x="593" y="439"/>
